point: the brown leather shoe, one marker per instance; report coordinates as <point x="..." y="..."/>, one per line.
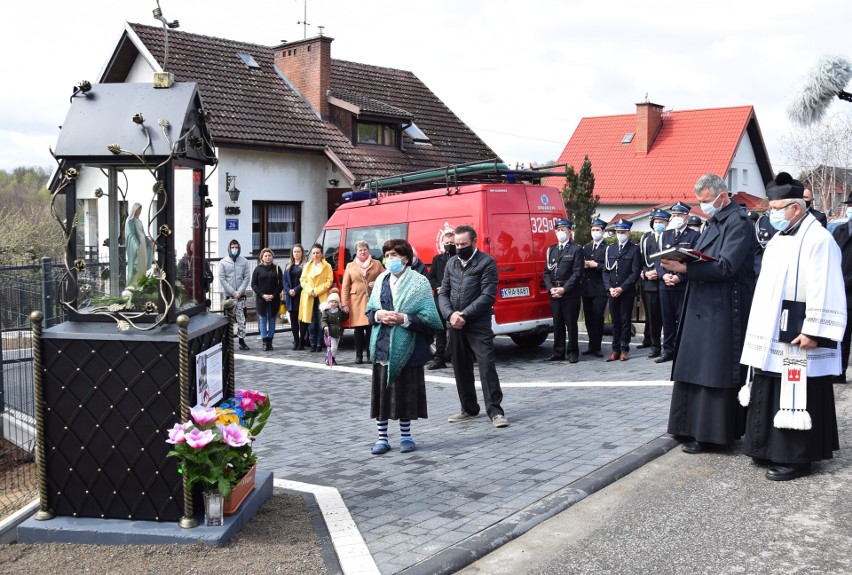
<point x="614" y="356"/>
<point x="624" y="356"/>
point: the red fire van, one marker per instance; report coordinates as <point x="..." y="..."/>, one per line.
<point x="514" y="224"/>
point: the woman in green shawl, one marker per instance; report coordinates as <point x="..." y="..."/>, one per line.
<point x="404" y="318"/>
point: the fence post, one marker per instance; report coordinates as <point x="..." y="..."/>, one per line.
<point x="46" y="288"/>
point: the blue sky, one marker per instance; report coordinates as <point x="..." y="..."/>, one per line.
<point x="521" y="74"/>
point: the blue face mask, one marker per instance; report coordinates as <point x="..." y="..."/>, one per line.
<point x="778" y="221"/>
<point x="849" y="213"/>
<point x="659" y="228"/>
<point x="395" y="265"/>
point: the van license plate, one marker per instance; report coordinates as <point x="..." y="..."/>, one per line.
<point x="507" y="293"/>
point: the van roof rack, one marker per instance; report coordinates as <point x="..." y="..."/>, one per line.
<point x="455" y="175"/>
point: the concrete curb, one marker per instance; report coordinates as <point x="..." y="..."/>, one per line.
<point x="458" y="556"/>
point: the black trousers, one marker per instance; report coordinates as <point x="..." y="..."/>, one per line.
<point x="653" y="318"/>
<point x="566" y="313"/>
<point x="362" y="339"/>
<point x="621" y="309"/>
<point x="441" y="339"/>
<point x="671" y="304"/>
<point x="594" y="312"/>
<point x="844" y="345"/>
<point x="476" y="342"/>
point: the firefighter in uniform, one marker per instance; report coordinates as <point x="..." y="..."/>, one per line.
<point x="593" y="292"/>
<point x="622" y="262"/>
<point x="650" y="244"/>
<point x="562" y="274"/>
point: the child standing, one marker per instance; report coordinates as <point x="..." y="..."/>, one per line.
<point x="332" y="321"/>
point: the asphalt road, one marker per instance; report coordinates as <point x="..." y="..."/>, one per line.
<point x="708" y="513"/>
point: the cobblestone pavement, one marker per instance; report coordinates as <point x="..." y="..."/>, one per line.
<point x="464" y="480"/>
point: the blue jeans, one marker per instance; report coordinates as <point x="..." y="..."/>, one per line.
<point x="266" y="320"/>
<point x="314" y="329"/>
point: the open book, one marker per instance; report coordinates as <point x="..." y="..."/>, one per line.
<point x="681" y="254"/>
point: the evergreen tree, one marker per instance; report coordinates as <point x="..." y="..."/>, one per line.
<point x="581" y="203"/>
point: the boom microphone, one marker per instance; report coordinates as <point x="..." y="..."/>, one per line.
<point x="827" y="80"/>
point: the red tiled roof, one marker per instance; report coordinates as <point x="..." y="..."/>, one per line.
<point x="258" y="108"/>
<point x="690" y="143"/>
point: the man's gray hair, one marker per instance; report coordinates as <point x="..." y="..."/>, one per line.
<point x="711" y="182"/>
<point x="800" y="202"/>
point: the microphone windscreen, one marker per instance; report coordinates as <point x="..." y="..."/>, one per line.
<point x="829" y="77"/>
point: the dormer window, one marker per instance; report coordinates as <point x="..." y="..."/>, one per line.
<point x="417" y="134"/>
<point x="377" y="134"/>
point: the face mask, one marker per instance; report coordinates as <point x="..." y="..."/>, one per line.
<point x="561" y="237"/>
<point x="465" y="253"/>
<point x="808" y="204"/>
<point x="622" y="238"/>
<point x="696" y="228"/>
<point x="708" y="207"/>
<point x="234" y="252"/>
<point x="597" y="236"/>
<point x="676" y="223"/>
<point x="849" y="212"/>
<point x="659" y="228"/>
<point x="450" y="249"/>
<point x="395" y="265"/>
<point x="777" y="220"/>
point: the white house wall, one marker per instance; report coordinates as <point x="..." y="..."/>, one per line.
<point x="269" y="176"/>
<point x="744" y="173"/>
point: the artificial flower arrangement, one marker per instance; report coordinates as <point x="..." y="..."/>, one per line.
<point x="214" y="446"/>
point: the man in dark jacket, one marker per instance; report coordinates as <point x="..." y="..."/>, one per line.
<point x="592" y="290"/>
<point x="649" y="245"/>
<point x="436" y="275"/>
<point x="843" y="236"/>
<point x="563" y="270"/>
<point x="809" y="200"/>
<point x="622" y="262"/>
<point x="707" y="374"/>
<point x="673" y="285"/>
<point x="467" y="296"/>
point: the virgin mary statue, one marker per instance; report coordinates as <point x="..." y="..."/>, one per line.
<point x="138" y="255"/>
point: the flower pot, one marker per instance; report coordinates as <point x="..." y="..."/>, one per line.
<point x="213" y="506"/>
<point x="240" y="491"/>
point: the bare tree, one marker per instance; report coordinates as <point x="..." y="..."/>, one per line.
<point x="820" y="150"/>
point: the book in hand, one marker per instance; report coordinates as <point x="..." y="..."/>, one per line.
<point x="681" y="254"/>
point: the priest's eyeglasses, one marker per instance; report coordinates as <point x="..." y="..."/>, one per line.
<point x="782" y="208"/>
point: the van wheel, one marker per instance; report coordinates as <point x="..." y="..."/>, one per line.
<point x="529" y="339"/>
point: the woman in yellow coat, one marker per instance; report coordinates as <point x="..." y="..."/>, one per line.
<point x="358" y="280"/>
<point x="316" y="281"/>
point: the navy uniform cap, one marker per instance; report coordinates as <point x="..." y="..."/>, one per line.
<point x="693" y="221"/>
<point x="561" y="222"/>
<point x="680" y="208"/>
<point x="752" y="215"/>
<point x="660" y="215"/>
<point x="599" y="223"/>
<point x="622" y="225"/>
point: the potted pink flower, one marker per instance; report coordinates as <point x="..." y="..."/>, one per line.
<point x="214" y="447"/>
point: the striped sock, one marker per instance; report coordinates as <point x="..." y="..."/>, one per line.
<point x="404" y="428"/>
<point x="382" y="426"/>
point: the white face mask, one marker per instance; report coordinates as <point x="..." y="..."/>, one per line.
<point x="561" y="237"/>
<point x="597" y="236"/>
<point x="708" y="207"/>
<point x="622" y="238"/>
<point x="849" y="212"/>
<point x="676" y="223"/>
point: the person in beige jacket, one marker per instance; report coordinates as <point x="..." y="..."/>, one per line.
<point x="358" y="280"/>
<point x="316" y="281"/>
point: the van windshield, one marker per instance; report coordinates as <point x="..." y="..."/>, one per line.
<point x="375" y="236"/>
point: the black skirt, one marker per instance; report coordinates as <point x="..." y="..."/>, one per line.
<point x="404" y="399"/>
<point x="707" y="414"/>
<point x="764" y="440"/>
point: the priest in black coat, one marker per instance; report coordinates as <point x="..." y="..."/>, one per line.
<point x="706" y="372"/>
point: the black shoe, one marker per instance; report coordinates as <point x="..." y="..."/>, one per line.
<point x="572" y="357"/>
<point x="664" y="358"/>
<point x="643" y="345"/>
<point x="295" y="345"/>
<point x="555" y="357"/>
<point x="435" y="365"/>
<point x="694" y="446"/>
<point x="788" y="472"/>
<point x="314" y="349"/>
<point x="654" y="353"/>
<point x="243" y="345"/>
<point x="270" y="344"/>
<point x="359" y="358"/>
<point x="266" y="345"/>
<point x="594" y="352"/>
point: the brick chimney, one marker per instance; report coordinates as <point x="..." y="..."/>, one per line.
<point x="649" y="120"/>
<point x="307" y="64"/>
